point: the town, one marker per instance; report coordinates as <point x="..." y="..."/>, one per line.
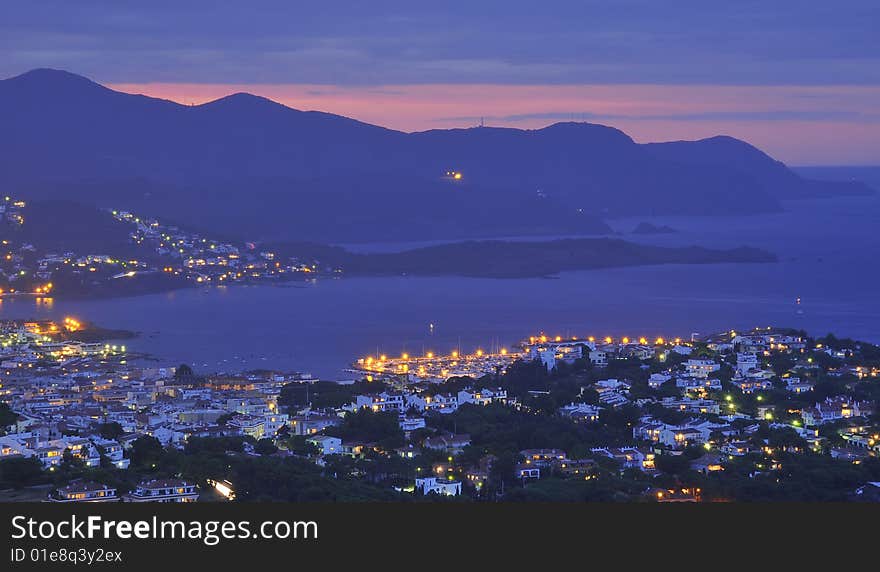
<point x="148" y="256"/>
<point x="204" y="260"/>
<point x="765" y="414"/>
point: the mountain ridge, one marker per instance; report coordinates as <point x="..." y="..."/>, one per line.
<point x="251" y="165"/>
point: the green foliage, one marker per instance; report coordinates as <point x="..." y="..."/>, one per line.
<point x="672" y="464"/>
<point x="666" y="415"/>
<point x="7" y="416"/>
<point x="323" y="394"/>
<point x="110" y="430"/>
<point x="629" y="368"/>
<point x="781" y="362"/>
<point x="452" y="385"/>
<point x="504" y="430"/>
<point x="605" y="488"/>
<point x="184" y="373"/>
<point x="294" y="480"/>
<point x="215" y="445"/>
<point x="265" y="447"/>
<point x="370" y="427"/>
<point x="802" y="477"/>
<point x="145" y="451"/>
<point x="298" y="445"/>
<point x="19" y="472"/>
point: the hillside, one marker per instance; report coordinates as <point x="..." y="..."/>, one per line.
<point x="252" y="167"/>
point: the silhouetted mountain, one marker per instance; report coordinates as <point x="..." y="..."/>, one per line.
<point x="727" y="154"/>
<point x="244" y="164"/>
<point x="862" y="180"/>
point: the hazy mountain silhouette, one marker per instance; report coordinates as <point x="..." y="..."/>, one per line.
<point x="727" y="153"/>
<point x="247" y="165"/>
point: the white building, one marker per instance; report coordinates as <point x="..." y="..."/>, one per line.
<point x="113" y="451"/>
<point x="745" y="362"/>
<point x="442" y="402"/>
<point x="380" y="402"/>
<point x="327" y="445"/>
<point x="580" y="412"/>
<point x="796" y="385"/>
<point x="84" y="491"/>
<point x="701" y="368"/>
<point x="832" y="409"/>
<point x="434" y="485"/>
<point x="599" y="358"/>
<point x="164" y="490"/>
<point x="658" y="379"/>
<point x="249" y="425"/>
<point x="411" y="423"/>
<point x="484" y="397"/>
<point x="680" y="437"/>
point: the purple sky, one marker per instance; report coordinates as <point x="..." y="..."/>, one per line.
<point x="800" y="79"/>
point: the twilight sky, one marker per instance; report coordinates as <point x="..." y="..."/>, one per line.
<point x="798" y="78"/>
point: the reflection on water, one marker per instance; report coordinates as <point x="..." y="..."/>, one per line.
<point x="828" y="258"/>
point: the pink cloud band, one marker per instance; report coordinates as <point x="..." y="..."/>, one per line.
<point x="797" y="124"/>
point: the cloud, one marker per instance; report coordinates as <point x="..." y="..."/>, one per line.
<point x="798" y="78"/>
<point x="758" y="115"/>
<point x="403" y="42"/>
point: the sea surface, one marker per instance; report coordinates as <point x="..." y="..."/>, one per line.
<point x="829" y="254"/>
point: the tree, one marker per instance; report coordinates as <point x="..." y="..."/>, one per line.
<point x="215" y="445"/>
<point x="7" y="416"/>
<point x="20" y="472"/>
<point x="669" y="389"/>
<point x="672" y="464"/>
<point x="110" y="430"/>
<point x="501" y="473"/>
<point x="786" y="438"/>
<point x="321" y="394"/>
<point x="71" y="461"/>
<point x="146" y="451"/>
<point x="298" y="445"/>
<point x="265" y="447"/>
<point x="781" y="363"/>
<point x="184" y="374"/>
<point x="365" y="425"/>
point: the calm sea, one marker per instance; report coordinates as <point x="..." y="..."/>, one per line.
<point x="829" y="258"/>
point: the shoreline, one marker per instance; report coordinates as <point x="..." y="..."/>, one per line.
<point x="552" y="269"/>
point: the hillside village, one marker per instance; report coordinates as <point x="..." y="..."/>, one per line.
<point x="764" y="414"/>
<point x="45" y="255"/>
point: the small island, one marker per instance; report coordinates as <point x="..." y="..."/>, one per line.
<point x="650" y="228"/>
<point x="521" y="259"/>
